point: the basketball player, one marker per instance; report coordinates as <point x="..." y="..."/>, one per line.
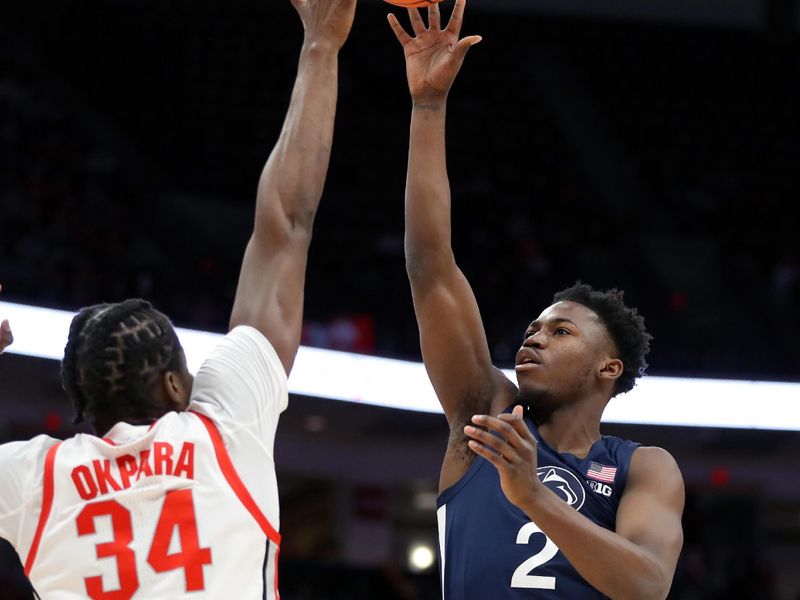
<point x="176" y="495"/>
<point x="534" y="502"/>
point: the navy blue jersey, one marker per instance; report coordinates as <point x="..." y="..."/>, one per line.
<point x="490" y="550"/>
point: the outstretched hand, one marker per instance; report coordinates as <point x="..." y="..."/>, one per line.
<point x="509" y="445"/>
<point x="434" y="55"/>
<point x="326" y="22"/>
<point x="6" y="338"/>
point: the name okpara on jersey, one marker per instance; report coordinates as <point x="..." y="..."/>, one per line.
<point x="103" y="476"/>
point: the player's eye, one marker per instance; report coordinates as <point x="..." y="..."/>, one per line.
<point x="562" y="331"/>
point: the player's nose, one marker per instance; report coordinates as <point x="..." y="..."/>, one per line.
<point x="537" y="340"/>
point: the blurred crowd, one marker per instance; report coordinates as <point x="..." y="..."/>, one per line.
<point x="705" y="247"/>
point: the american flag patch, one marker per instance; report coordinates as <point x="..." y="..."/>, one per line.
<point x="601" y="472"/>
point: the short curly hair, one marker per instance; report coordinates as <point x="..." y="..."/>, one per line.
<point x="623" y="323"/>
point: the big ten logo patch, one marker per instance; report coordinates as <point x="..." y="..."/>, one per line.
<point x="600" y="488"/>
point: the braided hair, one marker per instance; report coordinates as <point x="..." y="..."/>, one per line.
<point x="114" y="355"/>
<point x="624" y="324"/>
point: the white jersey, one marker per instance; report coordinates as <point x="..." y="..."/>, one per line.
<point x="185" y="507"/>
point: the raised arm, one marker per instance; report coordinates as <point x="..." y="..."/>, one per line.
<point x="452" y="336"/>
<point x="6" y="339"/>
<point x="270" y="292"/>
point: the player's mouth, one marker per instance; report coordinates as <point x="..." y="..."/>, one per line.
<point x="527" y="359"/>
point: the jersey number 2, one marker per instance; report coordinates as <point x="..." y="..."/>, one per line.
<point x="522" y="577"/>
<point x="176" y="513"/>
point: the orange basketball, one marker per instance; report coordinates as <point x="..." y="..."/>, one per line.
<point x="412" y="3"/>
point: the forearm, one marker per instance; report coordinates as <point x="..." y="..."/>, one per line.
<point x="427" y="204"/>
<point x="609" y="562"/>
<point x="294" y="175"/>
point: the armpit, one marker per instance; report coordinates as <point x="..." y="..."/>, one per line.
<point x="473" y="403"/>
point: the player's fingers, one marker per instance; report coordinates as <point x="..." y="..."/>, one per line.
<point x="417" y="23"/>
<point x="456" y="18"/>
<point x="461" y="48"/>
<point x="501" y="428"/>
<point x="481" y="450"/>
<point x="517" y="421"/>
<point x="434" y="17"/>
<point x="489" y="440"/>
<point x="398" y="30"/>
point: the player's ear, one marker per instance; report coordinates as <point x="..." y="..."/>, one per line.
<point x="611" y="368"/>
<point x="176" y="390"/>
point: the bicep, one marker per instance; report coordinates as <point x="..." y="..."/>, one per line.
<point x="651" y="508"/>
<point x="453" y="342"/>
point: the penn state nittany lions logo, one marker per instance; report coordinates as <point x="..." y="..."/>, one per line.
<point x="564" y="483"/>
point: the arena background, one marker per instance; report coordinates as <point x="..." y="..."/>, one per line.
<point x="650" y="146"/>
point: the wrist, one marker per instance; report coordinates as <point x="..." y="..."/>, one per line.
<point x="319" y="47"/>
<point x="430" y="102"/>
<point x="534" y="499"/>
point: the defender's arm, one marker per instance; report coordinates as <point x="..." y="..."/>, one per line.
<point x="269" y="296"/>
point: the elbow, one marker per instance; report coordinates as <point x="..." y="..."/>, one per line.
<point x="428" y="269"/>
<point x="641" y="579"/>
<point x="415" y="266"/>
<point x="649" y="590"/>
<point x="285" y="223"/>
<point x="426" y="261"/>
<point x="299" y="211"/>
<point x="651" y="585"/>
<point x="662" y="585"/>
<point x="300" y="222"/>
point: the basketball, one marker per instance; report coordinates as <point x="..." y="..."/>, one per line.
<point x="412" y="3"/>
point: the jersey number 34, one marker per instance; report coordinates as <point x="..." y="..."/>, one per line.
<point x="176" y="513"/>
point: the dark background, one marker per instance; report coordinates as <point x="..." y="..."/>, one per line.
<point x="656" y="152"/>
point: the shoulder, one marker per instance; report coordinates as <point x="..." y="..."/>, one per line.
<point x="249" y="338"/>
<point x="651" y="466"/>
<point x="652" y="457"/>
<point x="22" y="465"/>
<point x="21" y="454"/>
<point x="244" y="353"/>
<point x="242" y="383"/>
<point x="620" y="448"/>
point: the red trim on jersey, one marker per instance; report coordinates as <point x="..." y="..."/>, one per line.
<point x="232" y="477"/>
<point x="109" y="441"/>
<point x="47" y="504"/>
